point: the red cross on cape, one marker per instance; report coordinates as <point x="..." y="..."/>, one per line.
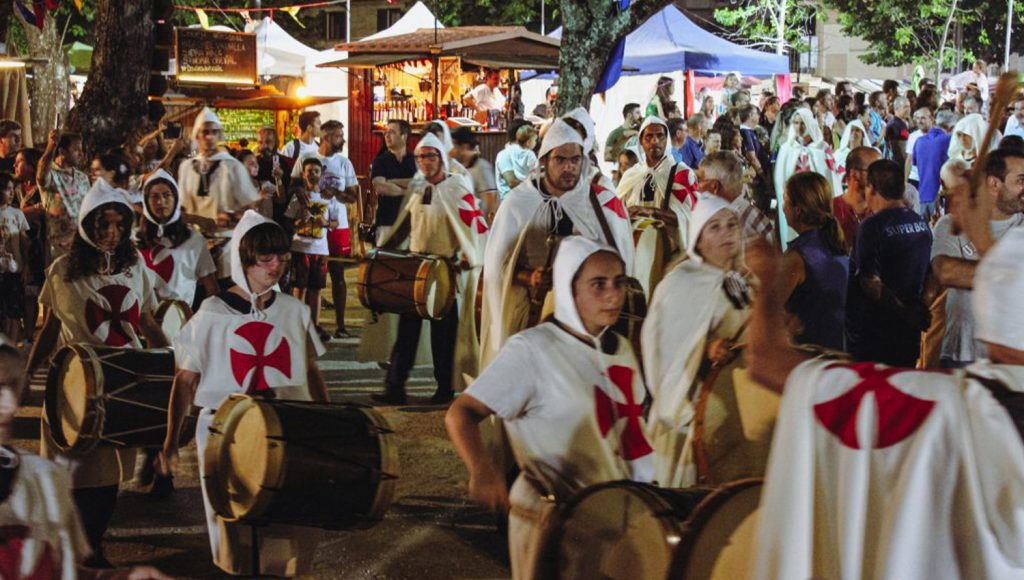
<point x="257" y="334"/>
<point x="632" y="441"/>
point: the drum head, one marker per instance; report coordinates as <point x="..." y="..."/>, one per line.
<point x="438" y="293"/>
<point x="172" y="316"/>
<point x="72" y="398"/>
<point x="615" y="531"/>
<point x="734" y="425"/>
<point x="719" y="543"/>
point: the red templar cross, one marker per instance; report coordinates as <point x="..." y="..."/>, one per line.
<point x="123" y="322"/>
<point x="12" y="550"/>
<point x="256" y="333"/>
<point x="633" y="443"/>
<point x="471" y="215"/>
<point x="163" y="267"/>
<point x="899" y="414"/>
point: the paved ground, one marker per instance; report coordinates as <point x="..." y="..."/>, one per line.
<point x="430" y="531"/>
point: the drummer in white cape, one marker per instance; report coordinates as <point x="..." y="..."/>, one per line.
<point x="174" y="252"/>
<point x="445" y="222"/>
<point x="555" y="202"/>
<point x="924" y="478"/>
<point x="698" y="313"/>
<point x="248" y="339"/>
<point x="570" y="392"/>
<point x="43" y="533"/>
<point x="657" y="186"/>
<point x="100" y="293"/>
<point x="215" y="187"/>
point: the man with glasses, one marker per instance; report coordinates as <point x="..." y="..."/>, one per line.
<point x="721" y="173"/>
<point x="215" y="188"/>
<point x="923" y="122"/>
<point x="930" y="152"/>
<point x="445" y="222"/>
<point x="851" y="208"/>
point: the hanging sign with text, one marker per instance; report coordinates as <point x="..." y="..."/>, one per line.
<point x="215" y="57"/>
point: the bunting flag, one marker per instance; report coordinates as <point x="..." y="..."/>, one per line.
<point x="293" y="11"/>
<point x="78" y="5"/>
<point x="36" y="16"/>
<point x="204" y="20"/>
<point x="613" y="69"/>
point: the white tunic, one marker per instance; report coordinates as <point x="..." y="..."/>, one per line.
<point x="179" y="269"/>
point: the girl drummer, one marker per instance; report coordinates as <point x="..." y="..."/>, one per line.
<point x="570" y="394"/>
<point x="35" y="495"/>
<point x="99" y="293"/>
<point x="248" y="339"/>
<point x="178" y="255"/>
<point x="684" y="336"/>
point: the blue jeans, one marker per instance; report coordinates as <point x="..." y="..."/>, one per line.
<point x="928" y="209"/>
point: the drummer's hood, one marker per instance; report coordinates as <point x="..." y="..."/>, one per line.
<point x="446" y="134"/>
<point x="573" y="251"/>
<point x="161" y="176"/>
<point x="432" y="142"/>
<point x="581" y="116"/>
<point x="205" y="116"/>
<point x="250" y="219"/>
<point x="99" y="194"/>
<point x="652" y="120"/>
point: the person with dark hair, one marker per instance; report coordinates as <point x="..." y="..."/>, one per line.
<point x="1012" y="142"/>
<point x="816" y="262"/>
<point x="885" y="313"/>
<point x="248" y="317"/>
<point x="480" y="170"/>
<point x="63" y="187"/>
<point x="10" y="144"/>
<point x="692" y="150"/>
<point x="306" y="142"/>
<point x="14" y="250"/>
<point x="31" y="204"/>
<point x="632" y="116"/>
<point x="878" y="103"/>
<point x="516" y="161"/>
<point x="677" y="137"/>
<point x="390" y="173"/>
<point x="112" y="168"/>
<point x="486" y="96"/>
<point x="851" y="208"/>
<point x="99" y="293"/>
<point x="546" y="110"/>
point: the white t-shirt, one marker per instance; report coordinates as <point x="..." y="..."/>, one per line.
<point x="45" y="535"/>
<point x="289" y="148"/>
<point x="178" y="270"/>
<point x="13" y="225"/>
<point x="339" y="173"/>
<point x="100" y="309"/>
<point x="235" y="352"/>
<point x="487" y="98"/>
<point x="917" y="134"/>
<point x="311" y="232"/>
<point x="958" y="343"/>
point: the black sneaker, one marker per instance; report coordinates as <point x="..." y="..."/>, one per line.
<point x="390" y="398"/>
<point x="440" y="398"/>
<point x="163" y="487"/>
<point x="324" y="335"/>
<point x="342" y="333"/>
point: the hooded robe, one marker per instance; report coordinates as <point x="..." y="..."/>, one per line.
<point x="795" y="156"/>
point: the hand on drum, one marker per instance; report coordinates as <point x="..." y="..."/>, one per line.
<point x="540" y="279"/>
<point x="721" y="351"/>
<point x="488" y="488"/>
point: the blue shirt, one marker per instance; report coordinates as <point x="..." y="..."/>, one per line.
<point x="930" y="152"/>
<point x="819" y="302"/>
<point x="691" y="153"/>
<point x="895" y="245"/>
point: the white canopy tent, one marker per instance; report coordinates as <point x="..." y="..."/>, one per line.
<point x="277" y="52"/>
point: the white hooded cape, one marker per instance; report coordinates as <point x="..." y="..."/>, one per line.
<point x="975" y="126"/>
<point x="845" y="148"/>
<point x="797" y="157"/>
<point x="893" y="474"/>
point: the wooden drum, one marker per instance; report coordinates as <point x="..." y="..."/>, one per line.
<point x="322" y="465"/>
<point x="100" y="394"/>
<point x="172" y="315"/>
<point x="406" y="284"/>
<point x="653" y="251"/>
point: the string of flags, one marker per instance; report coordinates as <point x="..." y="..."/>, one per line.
<point x="292" y="10"/>
<point x="34" y="11"/>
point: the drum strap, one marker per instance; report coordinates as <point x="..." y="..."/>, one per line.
<point x="668" y="188"/>
<point x="1011" y="400"/>
<point x="605" y="228"/>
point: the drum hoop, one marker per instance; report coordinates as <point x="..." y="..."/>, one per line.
<point x="165" y="305"/>
<point x="700" y="450"/>
<point x="700" y="517"/>
<point x="88" y="433"/>
<point x="444" y="270"/>
<point x="390" y="470"/>
<point x="361" y="285"/>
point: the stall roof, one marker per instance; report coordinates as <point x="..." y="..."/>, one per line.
<point x="265" y="98"/>
<point x="500" y="46"/>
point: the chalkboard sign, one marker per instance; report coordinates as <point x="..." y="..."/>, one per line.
<point x="215" y="57"/>
<point x="244" y="123"/>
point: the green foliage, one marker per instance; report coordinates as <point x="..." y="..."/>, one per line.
<point x="754" y="22"/>
<point x="496" y="12"/>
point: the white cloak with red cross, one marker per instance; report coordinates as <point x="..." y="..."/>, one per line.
<point x="41" y="535"/>
<point x="887" y="473"/>
<point x="682" y="190"/>
<point x="467" y="221"/>
<point x="573" y="414"/>
<point x="179" y="269"/>
<point x="245" y="353"/>
<point x="100" y="309"/>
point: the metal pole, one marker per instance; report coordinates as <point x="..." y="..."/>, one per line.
<point x="543" y="32"/>
<point x="1009" y="33"/>
<point x="348" y="21"/>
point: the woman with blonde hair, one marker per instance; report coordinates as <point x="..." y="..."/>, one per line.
<point x="816" y="263"/>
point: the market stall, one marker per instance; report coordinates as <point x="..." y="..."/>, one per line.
<point x="423" y="75"/>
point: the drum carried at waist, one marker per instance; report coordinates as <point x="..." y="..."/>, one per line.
<point x="323" y="465"/>
<point x="99" y="394"/>
<point x="653" y="250"/>
<point x="628" y="530"/>
<point x="403" y="283"/>
<point x="172" y="315"/>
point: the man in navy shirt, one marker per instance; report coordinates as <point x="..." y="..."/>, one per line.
<point x="885" y="314"/>
<point x="692" y="152"/>
<point x="930" y="153"/>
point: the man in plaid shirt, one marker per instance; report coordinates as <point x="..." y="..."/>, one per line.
<point x="721" y="173"/>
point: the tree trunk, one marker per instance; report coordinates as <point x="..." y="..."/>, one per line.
<point x="780" y="27"/>
<point x="590" y="30"/>
<point x="49" y="90"/>
<point x="113" y="105"/>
